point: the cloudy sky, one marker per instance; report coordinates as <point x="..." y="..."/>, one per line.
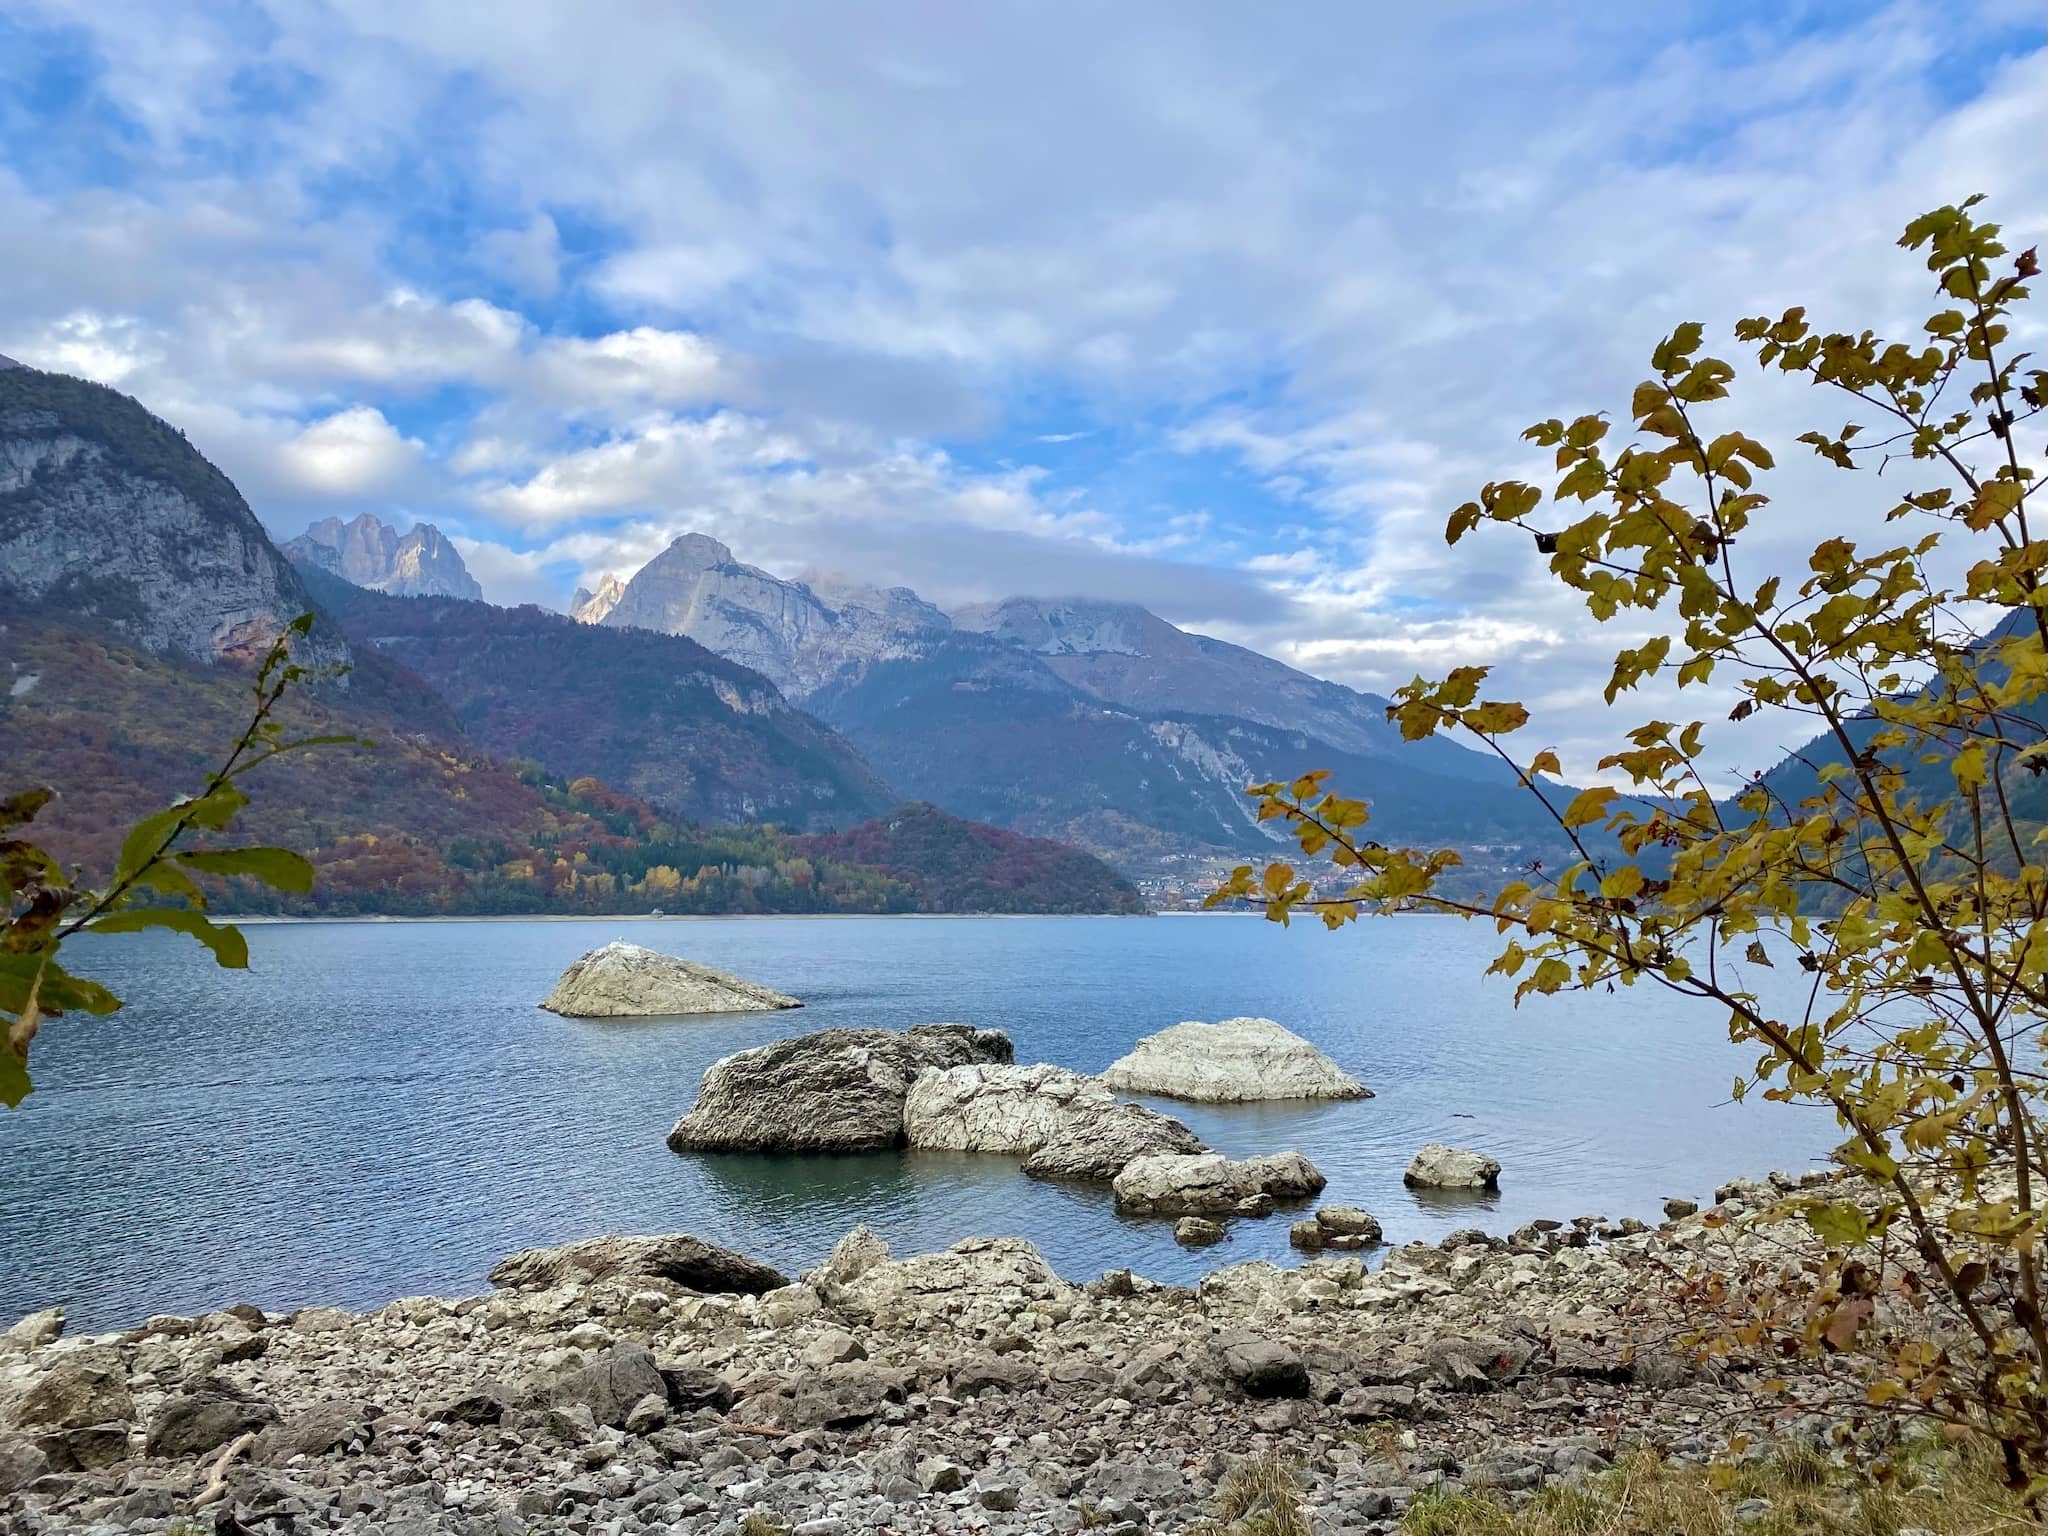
<point x="1214" y="307"/>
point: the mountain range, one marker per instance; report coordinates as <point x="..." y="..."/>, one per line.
<point x="1098" y="723"/>
<point x="716" y="692"/>
<point x="137" y="585"/>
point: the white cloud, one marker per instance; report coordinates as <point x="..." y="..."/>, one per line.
<point x="352" y="453"/>
<point x="1314" y="280"/>
<point x="645" y="365"/>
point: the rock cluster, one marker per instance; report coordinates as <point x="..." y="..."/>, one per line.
<point x="838" y="1090"/>
<point x="973" y="1389"/>
<point x="1235" y="1062"/>
<point x="1066" y="1125"/>
<point x="621" y="980"/>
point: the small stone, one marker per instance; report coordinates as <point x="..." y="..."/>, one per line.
<point x="1749" y="1511"/>
<point x="21" y="1463"/>
<point x="648" y="1415"/>
<point x="1002" y="1496"/>
<point x="935" y="1474"/>
<point x="1348" y="1221"/>
<point x="1261" y="1367"/>
<point x="1677" y="1209"/>
<point x="76" y="1393"/>
<point x="834" y="1347"/>
<point x="485" y="1407"/>
<point x="1197" y="1232"/>
<point x="205" y="1418"/>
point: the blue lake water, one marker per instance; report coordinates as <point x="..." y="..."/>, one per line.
<point x="375" y="1110"/>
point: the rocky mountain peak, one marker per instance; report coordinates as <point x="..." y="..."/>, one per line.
<point x="369" y="552"/>
<point x="7" y="362"/>
<point x="588" y="607"/>
<point x="795" y="636"/>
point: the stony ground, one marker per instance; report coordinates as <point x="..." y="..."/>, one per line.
<point x="973" y="1390"/>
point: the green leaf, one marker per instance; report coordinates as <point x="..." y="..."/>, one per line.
<point x="64" y="992"/>
<point x="229" y="948"/>
<point x="1838" y="1225"/>
<point x="144" y="840"/>
<point x="278" y="867"/>
<point x="14" y="1083"/>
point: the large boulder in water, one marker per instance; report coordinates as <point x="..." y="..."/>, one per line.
<point x="1234" y="1062"/>
<point x="678" y="1257"/>
<point x="839" y="1090"/>
<point x="623" y="980"/>
<point x="1070" y="1125"/>
<point x="1437" y="1166"/>
<point x="1167" y="1184"/>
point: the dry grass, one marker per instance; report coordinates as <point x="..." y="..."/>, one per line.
<point x="1262" y="1498"/>
<point x="758" y="1524"/>
<point x="1948" y="1495"/>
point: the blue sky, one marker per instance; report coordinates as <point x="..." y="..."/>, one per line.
<point x="1171" y="302"/>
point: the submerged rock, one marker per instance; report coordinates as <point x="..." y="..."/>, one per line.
<point x="1170" y="1184"/>
<point x="1437" y="1166"/>
<point x="1235" y="1062"/>
<point x="623" y="980"/>
<point x="1070" y="1125"/>
<point x="686" y="1261"/>
<point x="839" y="1090"/>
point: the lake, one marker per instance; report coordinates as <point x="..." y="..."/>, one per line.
<point x="375" y="1110"/>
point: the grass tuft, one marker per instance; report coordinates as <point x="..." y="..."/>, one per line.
<point x="1804" y="1494"/>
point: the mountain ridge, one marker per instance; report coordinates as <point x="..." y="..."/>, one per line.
<point x="1080" y="718"/>
<point x="367" y="551"/>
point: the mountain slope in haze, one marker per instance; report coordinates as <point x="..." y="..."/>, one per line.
<point x="657" y="716"/>
<point x="991" y="733"/>
<point x="1123" y="654"/>
<point x="109" y="516"/>
<point x="1095" y="722"/>
<point x="418" y="563"/>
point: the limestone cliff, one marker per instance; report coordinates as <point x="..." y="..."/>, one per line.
<point x="109" y="516"/>
<point x="369" y="552"/>
<point x="798" y="637"/>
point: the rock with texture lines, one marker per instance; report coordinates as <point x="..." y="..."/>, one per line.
<point x="1437" y="1166"/>
<point x="1170" y="1184"/>
<point x="624" y="980"/>
<point x="1235" y="1062"/>
<point x="1068" y="1124"/>
<point x="839" y="1090"/>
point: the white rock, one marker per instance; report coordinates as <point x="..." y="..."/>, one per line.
<point x="1173" y="1184"/>
<point x="1070" y="1125"/>
<point x="1234" y="1062"/>
<point x="624" y="980"/>
<point x="1437" y="1166"/>
<point x="35" y="1330"/>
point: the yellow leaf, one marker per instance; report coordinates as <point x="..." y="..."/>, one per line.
<point x="1588" y="805"/>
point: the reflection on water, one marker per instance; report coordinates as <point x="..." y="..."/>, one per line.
<point x="380" y="1109"/>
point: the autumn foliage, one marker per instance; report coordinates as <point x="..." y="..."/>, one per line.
<point x="1906" y="880"/>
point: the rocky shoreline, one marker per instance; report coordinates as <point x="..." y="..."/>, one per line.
<point x="629" y="1385"/>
